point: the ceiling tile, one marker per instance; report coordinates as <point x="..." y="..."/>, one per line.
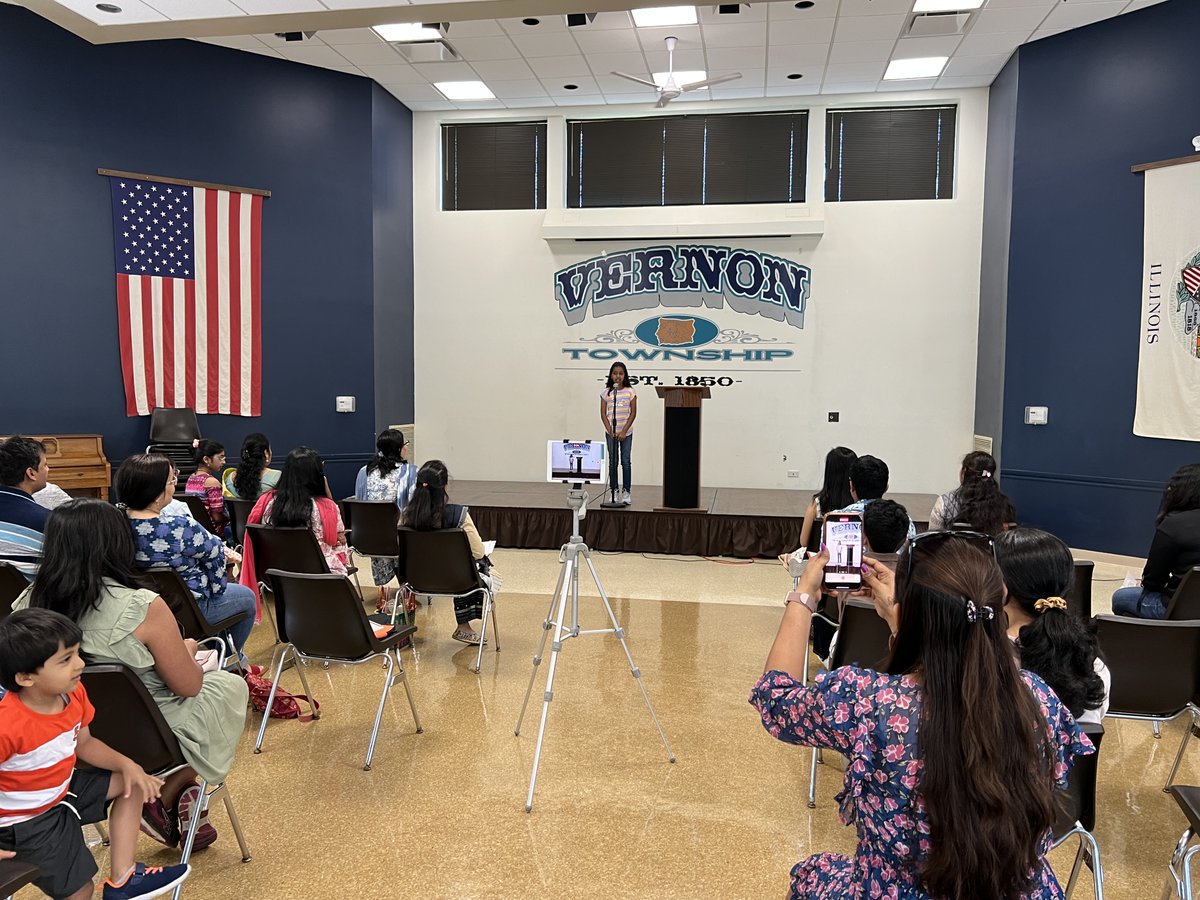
<point x="427" y="105"/>
<point x="557" y="66"/>
<point x="874" y="8"/>
<point x="780" y="76"/>
<point x="503" y="69"/>
<point x="547" y="23"/>
<point x="990" y="44"/>
<point x="652" y="38"/>
<point x="552" y="44"/>
<point x="722" y="60"/>
<point x="580" y="100"/>
<point x="348" y="4"/>
<point x="555" y="87"/>
<point x="854" y="72"/>
<point x="1142" y="4"/>
<point x="393" y="75"/>
<point x="446" y="71"/>
<point x="787" y="12"/>
<point x="527" y="102"/>
<point x="318" y="55"/>
<point x="964" y="81"/>
<point x="514" y="90"/>
<point x="743" y="34"/>
<point x="916" y="48"/>
<point x="177" y="10"/>
<point x="1073" y="15"/>
<point x="266" y="7"/>
<point x="723" y="92"/>
<point x="793" y="89"/>
<point x="338" y="36"/>
<point x="380" y="54"/>
<point x="747" y="12"/>
<point x="862" y="87"/>
<point x="478" y="104"/>
<point x="863" y="51"/>
<point x="906" y="84"/>
<point x="415" y="92"/>
<point x="869" y="28"/>
<point x="485" y="48"/>
<point x="997" y="21"/>
<point x="614" y="84"/>
<point x="132" y="12"/>
<point x="481" y="28"/>
<point x="751" y="78"/>
<point x="612" y="40"/>
<point x="619" y="19"/>
<point x="1014" y="4"/>
<point x="685" y="60"/>
<point x="812" y="31"/>
<point x="633" y="63"/>
<point x="976" y="65"/>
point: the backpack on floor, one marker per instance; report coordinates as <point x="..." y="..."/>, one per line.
<point x="285" y="705"/>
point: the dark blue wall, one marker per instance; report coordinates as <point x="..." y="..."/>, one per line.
<point x="1091" y="103"/>
<point x="187" y="110"/>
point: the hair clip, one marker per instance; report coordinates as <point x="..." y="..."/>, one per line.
<point x="985" y="474"/>
<point x="1050" y="603"/>
<point x="195" y="443"/>
<point x="975" y="613"/>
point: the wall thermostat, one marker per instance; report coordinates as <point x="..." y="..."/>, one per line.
<point x="1037" y="415"/>
<point x="345" y="404"/>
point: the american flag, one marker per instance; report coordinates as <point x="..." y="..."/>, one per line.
<point x="188" y="270"/>
<point x="1191" y="279"/>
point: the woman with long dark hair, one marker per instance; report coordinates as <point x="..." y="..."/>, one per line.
<point x="1173" y="551"/>
<point x="430" y="510"/>
<point x="389" y="476"/>
<point x="954" y="754"/>
<point x="252" y="478"/>
<point x="89" y="575"/>
<point x="618" y="409"/>
<point x="205" y="481"/>
<point x="1051" y="641"/>
<point x="977" y="501"/>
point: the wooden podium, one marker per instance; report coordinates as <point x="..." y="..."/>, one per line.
<point x="681" y="448"/>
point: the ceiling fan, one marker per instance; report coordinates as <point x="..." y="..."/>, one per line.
<point x="669" y="90"/>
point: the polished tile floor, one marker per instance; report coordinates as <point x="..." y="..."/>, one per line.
<point x="441" y="814"/>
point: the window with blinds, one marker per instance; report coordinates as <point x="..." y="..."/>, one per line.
<point x="687" y="160"/>
<point x="890" y="154"/>
<point x="494" y="166"/>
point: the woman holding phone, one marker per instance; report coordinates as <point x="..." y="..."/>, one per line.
<point x="618" y="409"/>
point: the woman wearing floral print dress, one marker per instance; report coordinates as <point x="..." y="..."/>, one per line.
<point x="954" y="755"/>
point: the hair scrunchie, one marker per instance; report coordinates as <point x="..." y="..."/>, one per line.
<point x="985" y="474"/>
<point x="1050" y="603"/>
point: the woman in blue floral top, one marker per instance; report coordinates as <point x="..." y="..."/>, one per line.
<point x="146" y="483"/>
<point x="954" y="755"/>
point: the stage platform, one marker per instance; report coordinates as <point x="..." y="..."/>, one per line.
<point x="739" y="522"/>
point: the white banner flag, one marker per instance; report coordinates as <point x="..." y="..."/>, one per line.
<point x="1168" y="387"/>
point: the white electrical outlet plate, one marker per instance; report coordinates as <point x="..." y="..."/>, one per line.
<point x="793" y="473"/>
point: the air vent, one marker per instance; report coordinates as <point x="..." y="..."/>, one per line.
<point x="983" y="442"/>
<point x="427" y="51"/>
<point x="937" y="24"/>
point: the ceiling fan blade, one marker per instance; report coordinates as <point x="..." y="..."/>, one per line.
<point x="662" y="101"/>
<point x="720" y="79"/>
<point x="638" y="80"/>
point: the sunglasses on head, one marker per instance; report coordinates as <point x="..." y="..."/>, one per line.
<point x="930" y="537"/>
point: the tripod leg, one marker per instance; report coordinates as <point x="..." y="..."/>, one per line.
<point x="620" y="633"/>
<point x="571" y="572"/>
<point x="547" y="624"/>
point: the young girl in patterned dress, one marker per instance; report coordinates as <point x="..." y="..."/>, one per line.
<point x="954" y="755"/>
<point x="205" y="481"/>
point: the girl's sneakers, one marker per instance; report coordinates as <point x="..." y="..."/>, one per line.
<point x="143" y="882"/>
<point x="191" y="803"/>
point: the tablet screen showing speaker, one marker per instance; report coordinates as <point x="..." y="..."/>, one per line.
<point x="575" y="461"/>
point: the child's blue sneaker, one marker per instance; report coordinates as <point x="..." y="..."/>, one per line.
<point x="146" y="881"/>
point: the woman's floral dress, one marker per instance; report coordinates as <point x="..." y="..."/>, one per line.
<point x="872" y="719"/>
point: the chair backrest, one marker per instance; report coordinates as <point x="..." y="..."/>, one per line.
<point x="1078" y="801"/>
<point x="1079" y="596"/>
<point x="287" y="549"/>
<point x="1155" y="665"/>
<point x="322" y="615"/>
<point x="862" y="638"/>
<point x="169" y="585"/>
<point x="437" y="562"/>
<point x="12" y="585"/>
<point x="195" y="505"/>
<point x="239" y="512"/>
<point x="1185" y="602"/>
<point x="173" y="426"/>
<point x="814" y="536"/>
<point x="372" y="525"/>
<point x="15" y="874"/>
<point x="127" y="718"/>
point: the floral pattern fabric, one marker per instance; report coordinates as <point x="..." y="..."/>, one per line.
<point x="872" y="719"/>
<point x="187" y="547"/>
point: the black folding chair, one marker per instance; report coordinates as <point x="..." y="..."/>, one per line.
<point x="323" y="619"/>
<point x="1155" y="668"/>
<point x="239" y="513"/>
<point x="1077" y="814"/>
<point x="168" y="584"/>
<point x="439" y="563"/>
<point x="1185" y="602"/>
<point x="171" y="434"/>
<point x="372" y="525"/>
<point x="129" y="721"/>
<point x="1079" y="595"/>
<point x="12" y="585"/>
<point x="14" y="875"/>
<point x="198" y="509"/>
<point x="1188" y="798"/>
<point x="862" y="640"/>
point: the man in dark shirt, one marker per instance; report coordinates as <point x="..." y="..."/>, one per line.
<point x="23" y="470"/>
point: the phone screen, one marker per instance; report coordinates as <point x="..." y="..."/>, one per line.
<point x="843" y="538"/>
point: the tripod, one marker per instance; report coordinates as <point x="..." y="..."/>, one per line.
<point x="568" y="589"/>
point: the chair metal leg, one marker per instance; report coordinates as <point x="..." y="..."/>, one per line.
<point x="1157" y="729"/>
<point x="236" y="823"/>
<point x="1186" y="875"/>
<point x="387" y="686"/>
<point x="264" y="589"/>
<point x="312" y="703"/>
<point x="266" y="715"/>
<point x="1075" y="866"/>
<point x="190" y="838"/>
<point x="403" y="676"/>
<point x="102" y="830"/>
<point x="812" y="781"/>
<point x="1187" y="736"/>
<point x="487" y="613"/>
<point x="1173" y="869"/>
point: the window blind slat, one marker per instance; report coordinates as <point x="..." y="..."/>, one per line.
<point x="890" y="154"/>
<point x="494" y="166"/>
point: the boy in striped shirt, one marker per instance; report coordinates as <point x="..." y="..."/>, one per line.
<point x="44" y="800"/>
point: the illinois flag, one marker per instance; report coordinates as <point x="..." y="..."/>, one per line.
<point x="188" y="271"/>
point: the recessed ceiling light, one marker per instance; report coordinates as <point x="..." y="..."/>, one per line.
<point x="464" y="90"/>
<point x="805" y="4"/>
<point x="531" y="21"/>
<point x="664" y="15"/>
<point x="794" y="75"/>
<point x="407" y="32"/>
<point x="570" y="87"/>
<point x="681" y="78"/>
<point x="922" y="67"/>
<point x="947" y="5"/>
<point x="108" y="7"/>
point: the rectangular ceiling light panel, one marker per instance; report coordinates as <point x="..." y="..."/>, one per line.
<point x="946" y="5"/>
<point x="402" y="32"/>
<point x="922" y="67"/>
<point x="664" y="15"/>
<point x="464" y="90"/>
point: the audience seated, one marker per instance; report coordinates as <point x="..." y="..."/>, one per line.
<point x="977" y="501"/>
<point x="89" y="575"/>
<point x="429" y="511"/>
<point x="1173" y="551"/>
<point x="44" y="798"/>
<point x="885" y="529"/>
<point x="869" y="482"/>
<point x="145" y="484"/>
<point x="252" y="478"/>
<point x="388" y="476"/>
<point x="210" y="460"/>
<point x="23" y="472"/>
<point x="1051" y="641"/>
<point x="954" y="754"/>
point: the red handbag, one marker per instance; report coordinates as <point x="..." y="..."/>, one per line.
<point x="285" y="705"/>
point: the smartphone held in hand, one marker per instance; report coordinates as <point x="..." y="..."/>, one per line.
<point x="843" y="537"/>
